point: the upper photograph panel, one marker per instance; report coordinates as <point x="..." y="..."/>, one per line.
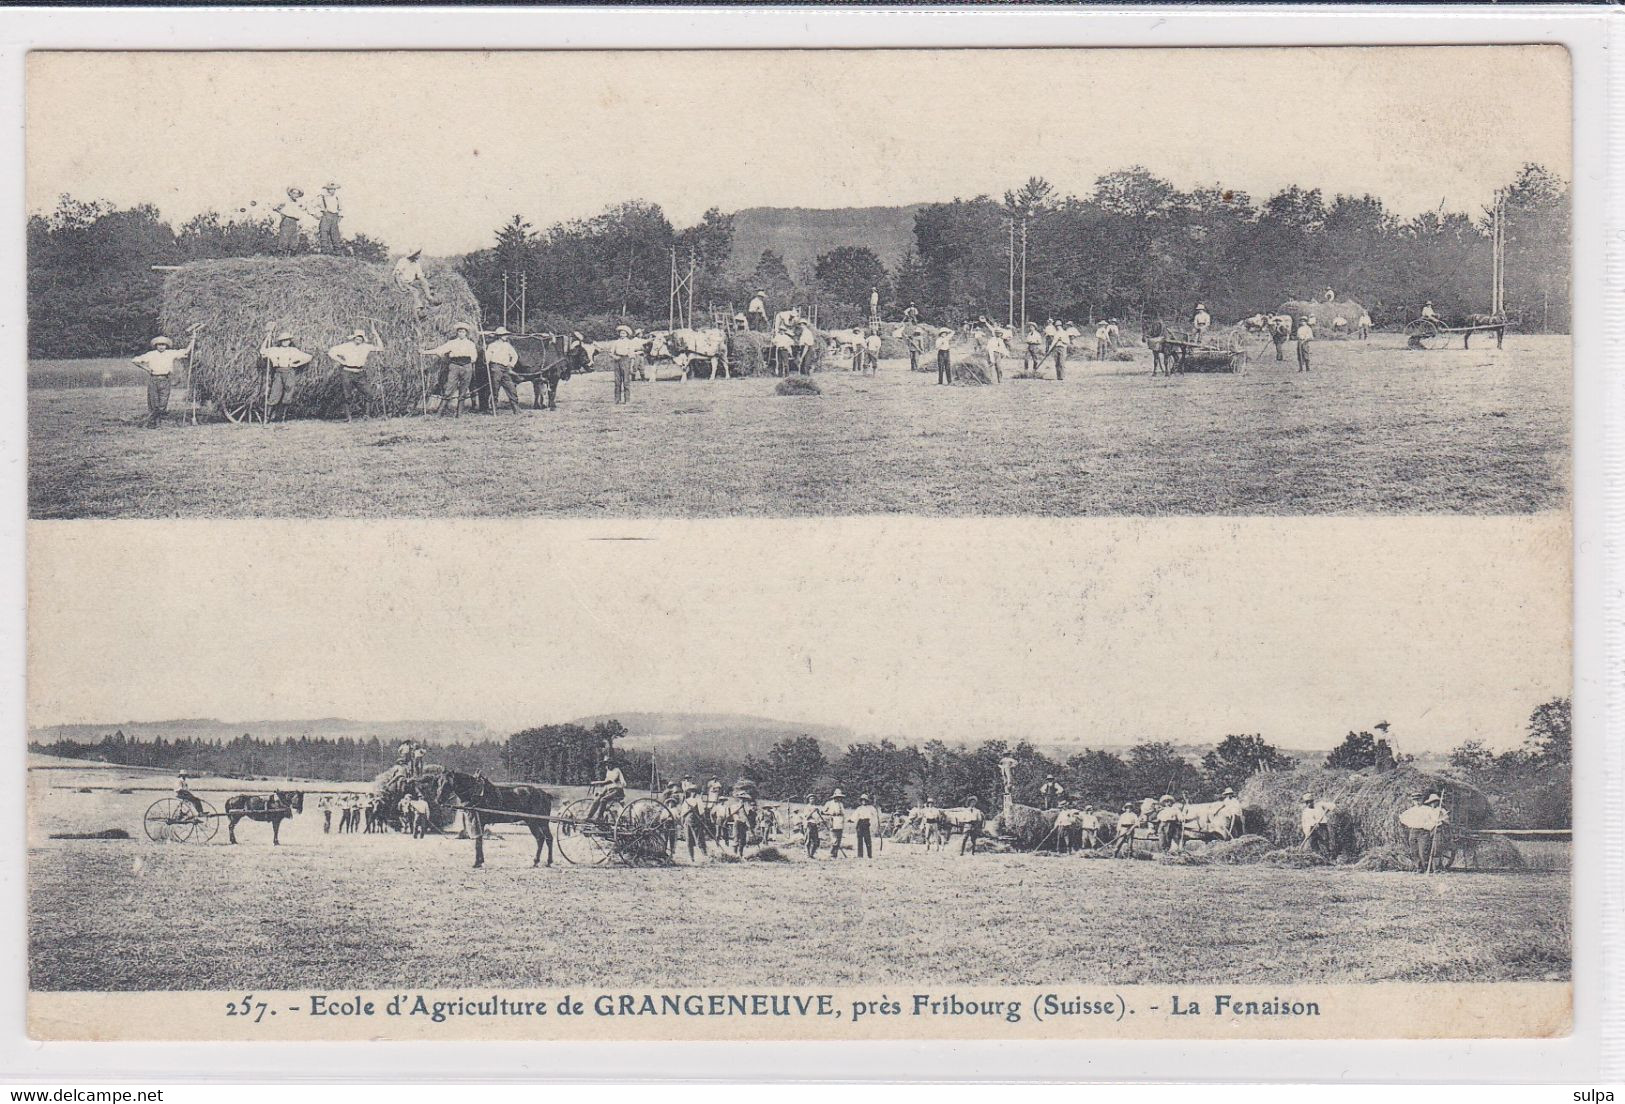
<point x="1059" y="283"/>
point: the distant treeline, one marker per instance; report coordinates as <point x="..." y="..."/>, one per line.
<point x="1134" y="247"/>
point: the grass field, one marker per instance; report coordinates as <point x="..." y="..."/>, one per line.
<point x="1375" y="429"/>
<point x="332" y="912"/>
<point x="57" y="375"/>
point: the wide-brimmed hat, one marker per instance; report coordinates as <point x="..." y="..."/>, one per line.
<point x="577" y="335"/>
<point x="359" y="333"/>
<point x="160" y="340"/>
<point x="1201" y="306"/>
<point x="1128" y="806"/>
<point x="864" y="798"/>
<point x="837" y="793"/>
<point x="1228" y="792"/>
<point x="331" y="185"/>
<point x="1167" y="799"/>
<point x="501" y="331"/>
<point x="1308" y="797"/>
<point x="1433" y="799"/>
<point x="627" y="330"/>
<point x="284" y="336"/>
<point x="297" y="193"/>
<point x="414" y="255"/>
<point x="944" y="330"/>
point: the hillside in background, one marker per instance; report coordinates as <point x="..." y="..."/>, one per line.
<point x="717" y="735"/>
<point x="800" y="234"/>
<point x="330" y="728"/>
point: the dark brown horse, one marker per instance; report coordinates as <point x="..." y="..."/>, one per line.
<point x="485" y="802"/>
<point x="272" y="808"/>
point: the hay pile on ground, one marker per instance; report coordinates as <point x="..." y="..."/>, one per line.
<point x="797" y="385"/>
<point x="1182" y="858"/>
<point x="768" y="853"/>
<point x="748" y="353"/>
<point x="1239" y="851"/>
<point x="1367" y="804"/>
<point x="320" y="300"/>
<point x="1323" y="314"/>
<point x="970" y="373"/>
<point x="104" y="834"/>
<point x="1296" y="857"/>
<point x="1385" y="858"/>
<point x="1490" y="853"/>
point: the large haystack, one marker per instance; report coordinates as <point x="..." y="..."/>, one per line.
<point x="320" y="300"/>
<point x="395" y="783"/>
<point x="1026" y="828"/>
<point x="1367" y="804"/>
<point x="1324" y="315"/>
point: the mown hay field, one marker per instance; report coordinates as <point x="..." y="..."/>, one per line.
<point x="385" y="911"/>
<point x="1374" y="429"/>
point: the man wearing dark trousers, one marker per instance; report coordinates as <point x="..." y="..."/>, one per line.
<point x="866" y="817"/>
<point x="945" y="373"/>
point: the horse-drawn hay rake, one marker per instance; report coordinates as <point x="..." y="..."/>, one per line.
<point x="642" y="832"/>
<point x="1431" y="333"/>
<point x="1189" y="350"/>
<point x="176" y="820"/>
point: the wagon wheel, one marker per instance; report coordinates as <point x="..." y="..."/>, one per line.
<point x="206" y="825"/>
<point x="162" y="815"/>
<point x="1425" y="333"/>
<point x="237" y="412"/>
<point x="646" y="831"/>
<point x="582" y="842"/>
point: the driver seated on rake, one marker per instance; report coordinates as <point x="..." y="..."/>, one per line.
<point x="183" y="792"/>
<point x="611" y="789"/>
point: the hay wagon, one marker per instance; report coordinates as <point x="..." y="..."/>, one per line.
<point x="1432" y="333"/>
<point x="1189" y="350"/>
<point x="173" y="820"/>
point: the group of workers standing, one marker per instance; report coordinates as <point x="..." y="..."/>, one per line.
<point x="326" y="210"/>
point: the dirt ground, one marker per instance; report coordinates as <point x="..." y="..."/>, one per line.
<point x="382" y="911"/>
<point x="1374" y="429"/>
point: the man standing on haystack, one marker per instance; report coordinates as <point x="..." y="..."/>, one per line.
<point x="757" y="310"/>
<point x="1051" y="794"/>
<point x="351" y="357"/>
<point x="331" y="211"/>
<point x="159" y="363"/>
<point x="460" y="353"/>
<point x="289" y="211"/>
<point x="283" y="362"/>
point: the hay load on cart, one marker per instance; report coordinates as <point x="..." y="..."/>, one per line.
<point x="396" y="782"/>
<point x="1326" y="314"/>
<point x="1366" y="805"/>
<point x="1186" y="349"/>
<point x="242" y="302"/>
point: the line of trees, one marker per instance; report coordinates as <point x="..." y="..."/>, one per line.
<point x="1530" y="786"/>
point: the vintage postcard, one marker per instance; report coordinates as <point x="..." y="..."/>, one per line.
<point x="820" y="544"/>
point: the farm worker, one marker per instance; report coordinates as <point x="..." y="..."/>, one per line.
<point x="874" y="304"/>
<point x="996" y="350"/>
<point x="327" y="227"/>
<point x="409" y="274"/>
<point x="326" y="805"/>
<point x="460" y="353"/>
<point x="1327" y="296"/>
<point x="1201" y="320"/>
<point x="159" y="363"/>
<point x="1127" y="821"/>
<point x="688" y="788"/>
<point x="871" y="348"/>
<point x="866" y="818"/>
<point x="713" y="790"/>
<point x="1170" y="824"/>
<point x="1062" y="346"/>
<point x="289" y="212"/>
<point x="623" y="357"/>
<point x="834" y="814"/>
<point x="1034" y="342"/>
<point x="1090" y="826"/>
<point x="1429" y="312"/>
<point x="1280" y="327"/>
<point x="911" y="314"/>
<point x="1152" y="332"/>
<point x="404" y="755"/>
<point x="418" y="753"/>
<point x="183" y="792"/>
<point x="611" y="788"/>
<point x="945" y="340"/>
<point x="1315" y="820"/>
<point x="351" y="357"/>
<point x="501" y="358"/>
<point x="1426" y="819"/>
<point x="1007" y="772"/>
<point x="810" y="825"/>
<point x="805" y="338"/>
<point x="973" y="826"/>
<point x="1306" y="337"/>
<point x="1051" y="793"/>
<point x="1114" y="334"/>
<point x="1229" y="814"/>
<point x="757" y="310"/>
<point x="282" y="360"/>
<point x="691" y="814"/>
<point x="1103" y="337"/>
<point x="1365" y="325"/>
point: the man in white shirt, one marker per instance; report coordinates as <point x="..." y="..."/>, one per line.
<point x="460" y="353"/>
<point x="159" y="363"/>
<point x="1229" y="817"/>
<point x="866" y="817"/>
<point x="611" y="790"/>
<point x="501" y="358"/>
<point x="1316" y="822"/>
<point x="290" y="212"/>
<point x="408" y="273"/>
<point x="1063" y="346"/>
<point x="945" y="340"/>
<point x="1170" y="824"/>
<point x="871" y="353"/>
<point x="1127" y="822"/>
<point x="282" y="361"/>
<point x="996" y="350"/>
<point x="757" y="310"/>
<point x="1429" y="312"/>
<point x="834" y="814"/>
<point x="874" y="304"/>
<point x="327" y="226"/>
<point x="183" y="792"/>
<point x="351" y="357"/>
<point x="1365" y="325"/>
<point x="1201" y="320"/>
<point x="1306" y="337"/>
<point x="1102" y="339"/>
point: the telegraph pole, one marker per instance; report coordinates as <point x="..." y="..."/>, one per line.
<point x="1024" y="272"/>
<point x="1010" y="312"/>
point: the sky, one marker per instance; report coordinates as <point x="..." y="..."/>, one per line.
<point x="438" y="149"/>
<point x="1056" y="632"/>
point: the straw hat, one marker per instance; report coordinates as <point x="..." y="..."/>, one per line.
<point x="160" y="340"/>
<point x="463" y="327"/>
<point x="359" y="335"/>
<point x="284" y="336"/>
<point x="501" y="331"/>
